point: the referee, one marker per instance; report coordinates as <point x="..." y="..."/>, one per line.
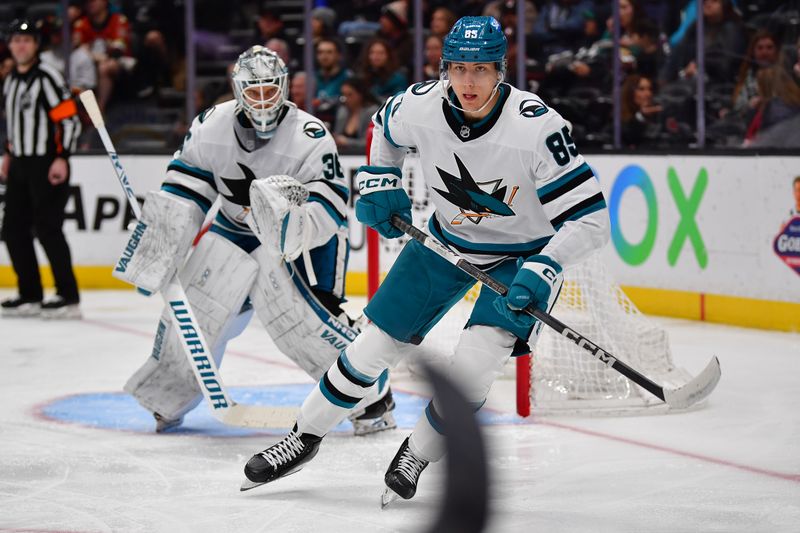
<point x="42" y="126"/>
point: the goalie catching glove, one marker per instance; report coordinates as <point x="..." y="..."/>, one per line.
<point x="279" y="215"/>
<point x="382" y="195"/>
<point x="159" y="242"/>
<point x="533" y="284"/>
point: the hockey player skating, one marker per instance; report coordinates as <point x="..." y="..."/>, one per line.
<point x="282" y="257"/>
<point x="512" y="194"/>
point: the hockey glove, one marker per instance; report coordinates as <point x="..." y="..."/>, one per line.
<point x="382" y="195"/>
<point x="537" y="277"/>
<point x="279" y="215"/>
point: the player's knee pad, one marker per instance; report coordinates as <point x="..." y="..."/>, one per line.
<point x="304" y="330"/>
<point x="217" y="279"/>
<point x="160" y="241"/>
<point x="481" y="354"/>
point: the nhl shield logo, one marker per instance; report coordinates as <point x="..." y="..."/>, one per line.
<point x="464" y="131"/>
<point x="787" y="244"/>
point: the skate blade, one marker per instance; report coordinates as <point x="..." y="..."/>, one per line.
<point x="247" y="485"/>
<point x="388" y="497"/>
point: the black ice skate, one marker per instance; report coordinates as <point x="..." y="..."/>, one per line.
<point x="374" y="417"/>
<point x="281" y="459"/>
<point x="59" y="308"/>
<point x="19" y="307"/>
<point x="402" y="476"/>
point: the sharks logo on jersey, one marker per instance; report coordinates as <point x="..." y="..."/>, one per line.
<point x="476" y="200"/>
<point x="240" y="188"/>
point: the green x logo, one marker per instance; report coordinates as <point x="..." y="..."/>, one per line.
<point x="687" y="227"/>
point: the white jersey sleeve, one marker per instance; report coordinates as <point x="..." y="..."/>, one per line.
<point x="321" y="172"/>
<point x="391" y="137"/>
<point x="189" y="175"/>
<point x="569" y="194"/>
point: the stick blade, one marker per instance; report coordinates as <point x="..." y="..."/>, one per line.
<point x="697" y="389"/>
<point x="260" y="416"/>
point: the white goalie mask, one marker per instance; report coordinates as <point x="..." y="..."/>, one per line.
<point x="260" y="85"/>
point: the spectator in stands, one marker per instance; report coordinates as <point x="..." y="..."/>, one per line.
<point x="630" y="14"/>
<point x="82" y="70"/>
<point x="762" y="52"/>
<point x="379" y="68"/>
<point x="796" y="66"/>
<point x="724" y="46"/>
<point x="108" y="36"/>
<point x="505" y="11"/>
<point x="394" y="31"/>
<point x="297" y="90"/>
<point x="353" y="116"/>
<point x="433" y="53"/>
<point x="329" y="75"/>
<point x="442" y="20"/>
<point x="646" y="49"/>
<point x="160" y="58"/>
<point x="269" y="25"/>
<point x="284" y="51"/>
<point x="323" y="24"/>
<point x="641" y="117"/>
<point x="558" y="24"/>
<point x="779" y="101"/>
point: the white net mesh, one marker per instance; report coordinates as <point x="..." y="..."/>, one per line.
<point x="566" y="378"/>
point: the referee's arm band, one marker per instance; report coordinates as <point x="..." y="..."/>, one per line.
<point x="64" y="110"/>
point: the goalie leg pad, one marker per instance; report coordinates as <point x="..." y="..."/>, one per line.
<point x="217" y="279"/>
<point x="298" y="324"/>
<point x="160" y="241"/>
<point x="480" y="356"/>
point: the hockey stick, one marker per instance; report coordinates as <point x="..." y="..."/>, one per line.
<point x="696" y="390"/>
<point x="192" y="340"/>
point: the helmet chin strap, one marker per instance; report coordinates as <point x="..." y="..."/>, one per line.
<point x="446" y="96"/>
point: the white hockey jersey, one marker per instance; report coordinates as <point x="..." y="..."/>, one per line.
<point x="511" y="185"/>
<point x="221" y="156"/>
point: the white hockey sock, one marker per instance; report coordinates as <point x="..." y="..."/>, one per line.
<point x="347" y="381"/>
<point x="481" y="353"/>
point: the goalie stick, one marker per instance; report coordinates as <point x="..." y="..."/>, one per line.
<point x="696" y="390"/>
<point x="192" y="340"/>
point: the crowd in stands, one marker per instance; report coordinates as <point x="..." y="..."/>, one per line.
<point x="132" y="53"/>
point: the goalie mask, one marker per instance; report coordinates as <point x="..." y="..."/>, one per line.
<point x="473" y="40"/>
<point x="260" y="84"/>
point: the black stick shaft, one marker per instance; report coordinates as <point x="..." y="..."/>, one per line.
<point x="598" y="353"/>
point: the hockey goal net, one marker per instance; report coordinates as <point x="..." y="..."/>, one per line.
<point x="560" y="377"/>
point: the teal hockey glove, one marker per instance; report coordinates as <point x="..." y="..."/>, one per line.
<point x="533" y="284"/>
<point x="382" y="195"/>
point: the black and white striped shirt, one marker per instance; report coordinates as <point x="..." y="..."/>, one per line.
<point x="41" y="115"/>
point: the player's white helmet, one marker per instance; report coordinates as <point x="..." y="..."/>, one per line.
<point x="260" y="85"/>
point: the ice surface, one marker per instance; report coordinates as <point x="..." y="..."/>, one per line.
<point x="732" y="466"/>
